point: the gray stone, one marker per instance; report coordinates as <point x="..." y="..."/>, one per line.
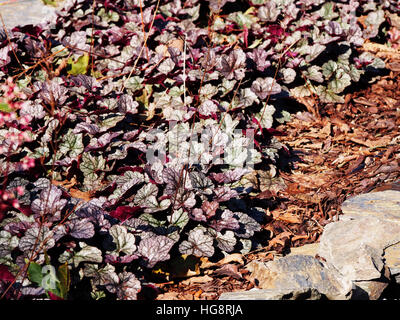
<point x="25" y="12"/>
<point x="382" y="204"/>
<point x="360" y="254"/>
<point x="392" y="260"/>
<point x="300" y="272"/>
<point x="273" y="294"/>
<point x="355" y="247"/>
<point x="372" y="289"/>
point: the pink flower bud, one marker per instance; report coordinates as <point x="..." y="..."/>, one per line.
<point x="20" y="190"/>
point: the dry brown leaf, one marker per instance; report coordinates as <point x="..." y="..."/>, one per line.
<point x="171" y="295"/>
<point x="290" y="218"/>
<point x="229" y="270"/>
<point x="196" y="280"/>
<point x="278" y="239"/>
<point x="361" y="20"/>
<point x="300" y="237"/>
<point x="267" y="194"/>
<point x="394" y="66"/>
<point x="65" y="183"/>
<point x="310" y="104"/>
<point x="176" y="43"/>
<point x="295" y="188"/>
<point x="381" y="50"/>
<point x="234" y="257"/>
<point x="382" y="142"/>
<point x="197" y="294"/>
<point x="327" y="129"/>
<point x="299" y="142"/>
<point x="390" y="102"/>
<point x="151" y="111"/>
<point x="341" y="125"/>
<point x="364" y="101"/>
<point x="359" y="141"/>
<point x="275" y="241"/>
<point x="62" y="65"/>
<point x="316" y="146"/>
<point x="342" y="159"/>
<point x="173" y="43"/>
<point x="87" y="196"/>
<point x="388" y="168"/>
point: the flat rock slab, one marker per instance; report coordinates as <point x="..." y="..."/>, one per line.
<point x="392" y="260"/>
<point x="355" y="247"/>
<point x="23" y="12"/>
<point x="383" y="205"/>
<point x="273" y="294"/>
<point x="300" y="272"/>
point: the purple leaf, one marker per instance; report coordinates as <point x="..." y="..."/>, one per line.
<point x="89" y="83"/>
<point x="115" y="259"/>
<point x="264" y="87"/>
<point x="201" y="182"/>
<point x="226" y="242"/>
<point x="198" y="244"/>
<point x="77" y="40"/>
<point x="174" y="180"/>
<point x="34" y="110"/>
<point x="209" y="208"/>
<point x="216" y="5"/>
<point x="81" y="228"/>
<point x="226" y="221"/>
<point x="124" y="240"/>
<point x="86" y="127"/>
<point x="52" y="92"/>
<point x="37" y="238"/>
<point x="155" y="249"/>
<point x="4" y="57"/>
<point x="233" y="65"/>
<point x="102" y="141"/>
<point x="247" y="226"/>
<point x="229" y="176"/>
<point x="146" y="196"/>
<point x="126" y="104"/>
<point x="197" y="214"/>
<point x="269" y="12"/>
<point x="334" y="28"/>
<point x="224" y="194"/>
<point x="259" y="56"/>
<point x="128" y="286"/>
<point x="49" y="202"/>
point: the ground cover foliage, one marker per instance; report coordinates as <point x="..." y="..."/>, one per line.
<point x="91" y="98"/>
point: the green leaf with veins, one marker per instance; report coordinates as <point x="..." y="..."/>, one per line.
<point x="90" y="164"/>
<point x="72" y="144"/>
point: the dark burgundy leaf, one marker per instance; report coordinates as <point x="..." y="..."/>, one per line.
<point x="125" y="212"/>
<point x="6" y="275"/>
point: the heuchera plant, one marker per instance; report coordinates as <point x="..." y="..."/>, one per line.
<point x="131" y="132"/>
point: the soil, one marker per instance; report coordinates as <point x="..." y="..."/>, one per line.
<point x="335" y="151"/>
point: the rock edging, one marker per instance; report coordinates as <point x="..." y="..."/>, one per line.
<point x="357" y="257"/>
